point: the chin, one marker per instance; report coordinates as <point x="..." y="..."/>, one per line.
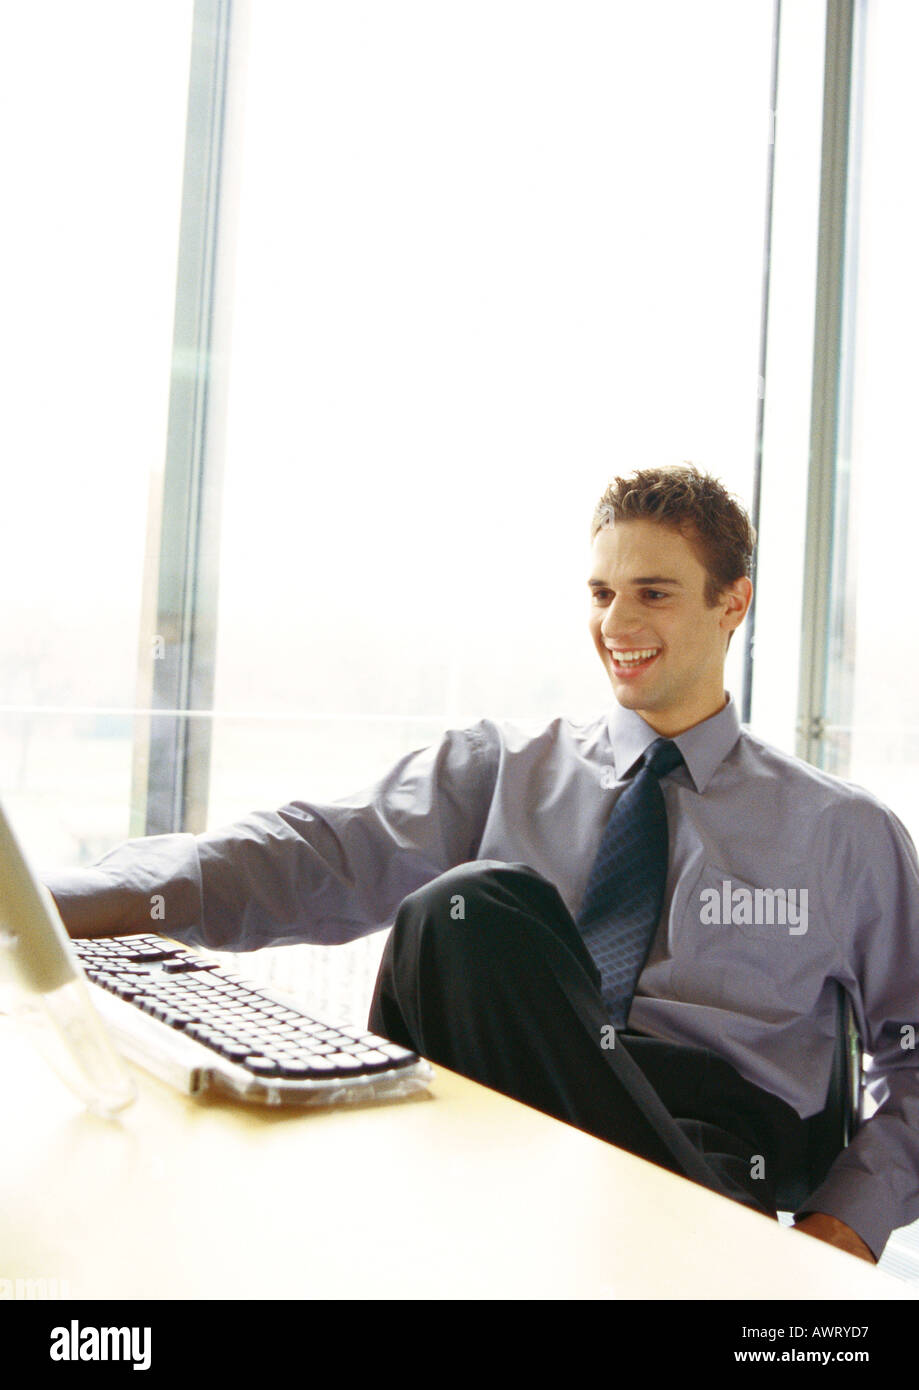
<point x="629" y="699"/>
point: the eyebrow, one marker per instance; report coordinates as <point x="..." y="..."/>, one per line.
<point x="654" y="580"/>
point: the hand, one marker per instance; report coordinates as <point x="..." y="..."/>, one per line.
<point x="835" y="1232"/>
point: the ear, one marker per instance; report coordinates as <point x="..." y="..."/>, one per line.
<point x="735" y="601"/>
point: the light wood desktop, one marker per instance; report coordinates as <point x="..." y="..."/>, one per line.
<point x="462" y="1193"/>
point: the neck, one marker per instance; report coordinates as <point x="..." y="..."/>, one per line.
<point x="670" y="723"/>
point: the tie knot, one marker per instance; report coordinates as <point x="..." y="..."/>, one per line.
<point x="663" y="756"/>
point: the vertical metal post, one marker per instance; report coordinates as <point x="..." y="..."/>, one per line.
<point x="750" y="628"/>
<point x="172" y="751"/>
<point x="825" y="396"/>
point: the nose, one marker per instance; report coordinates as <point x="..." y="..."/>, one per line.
<point x="621" y="618"/>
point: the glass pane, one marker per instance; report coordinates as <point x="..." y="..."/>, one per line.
<point x="487" y="257"/>
<point x="873" y="697"/>
<point x="96" y="95"/>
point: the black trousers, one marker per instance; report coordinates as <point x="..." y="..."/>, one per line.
<point x="486" y="972"/>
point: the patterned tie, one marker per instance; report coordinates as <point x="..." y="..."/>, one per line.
<point x="625" y="891"/>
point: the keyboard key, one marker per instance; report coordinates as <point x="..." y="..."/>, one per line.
<point x="344" y="1062"/>
<point x="293" y="1069"/>
<point x="262" y="1066"/>
<point x="396" y="1053"/>
<point x="203" y="1032"/>
<point x="373" y="1058"/>
<point x="321" y="1066"/>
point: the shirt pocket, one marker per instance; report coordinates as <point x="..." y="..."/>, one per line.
<point x="740" y="945"/>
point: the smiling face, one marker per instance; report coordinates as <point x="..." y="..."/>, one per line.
<point x="661" y="644"/>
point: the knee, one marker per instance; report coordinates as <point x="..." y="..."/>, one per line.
<point x="486" y="905"/>
<point x="485" y="923"/>
<point x="492" y="882"/>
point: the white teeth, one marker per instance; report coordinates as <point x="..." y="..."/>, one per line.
<point x="624" y="658"/>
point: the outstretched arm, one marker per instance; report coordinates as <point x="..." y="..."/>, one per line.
<point x="319" y="873"/>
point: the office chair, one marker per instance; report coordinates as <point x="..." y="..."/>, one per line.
<point x="828" y="1132"/>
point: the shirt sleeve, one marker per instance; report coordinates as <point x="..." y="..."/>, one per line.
<point x="873" y="1186"/>
<point x="309" y="872"/>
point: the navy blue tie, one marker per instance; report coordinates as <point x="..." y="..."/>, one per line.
<point x="625" y="890"/>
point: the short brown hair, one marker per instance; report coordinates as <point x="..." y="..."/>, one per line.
<point x="693" y="503"/>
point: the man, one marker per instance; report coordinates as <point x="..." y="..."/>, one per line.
<point x="701" y="1046"/>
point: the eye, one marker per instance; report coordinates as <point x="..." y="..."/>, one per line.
<point x="655" y="594"/>
<point x="600" y="597"/>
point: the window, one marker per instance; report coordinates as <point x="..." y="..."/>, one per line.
<point x="873" y="705"/>
<point x="485" y="258"/>
<point x="95" y="100"/>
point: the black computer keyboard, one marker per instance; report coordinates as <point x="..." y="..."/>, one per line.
<point x="242" y="1022"/>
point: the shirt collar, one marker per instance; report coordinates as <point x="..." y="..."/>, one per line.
<point x="704" y="746"/>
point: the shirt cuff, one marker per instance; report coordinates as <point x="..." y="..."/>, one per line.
<point x="146" y="885"/>
<point x="863" y="1201"/>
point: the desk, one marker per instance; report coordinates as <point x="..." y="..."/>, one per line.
<point x="462" y="1194"/>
